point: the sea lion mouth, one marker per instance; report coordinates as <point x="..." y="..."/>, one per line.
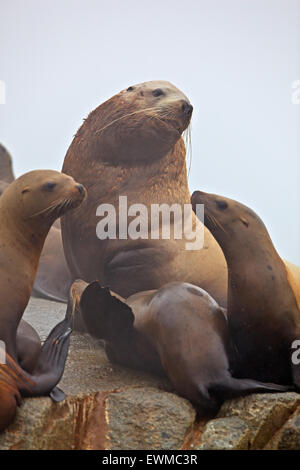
<point x="175" y="125"/>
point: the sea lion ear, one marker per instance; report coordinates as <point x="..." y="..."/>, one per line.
<point x="244" y="221"/>
<point x="25" y="190"/>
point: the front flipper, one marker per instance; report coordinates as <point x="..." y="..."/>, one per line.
<point x="51" y="362"/>
<point x="105" y="316"/>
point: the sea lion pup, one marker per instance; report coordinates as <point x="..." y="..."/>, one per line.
<point x="28" y="208"/>
<point x="263" y="298"/>
<point x="6" y="170"/>
<point x="178" y="329"/>
<point x="132" y="146"/>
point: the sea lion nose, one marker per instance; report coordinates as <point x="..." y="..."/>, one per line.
<point x="80" y="188"/>
<point x="186" y="108"/>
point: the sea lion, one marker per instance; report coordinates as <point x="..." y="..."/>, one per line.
<point x="28" y="208"/>
<point x="132" y="146"/>
<point x="3" y="186"/>
<point x="263" y="297"/>
<point x="6" y="170"/>
<point x="53" y="279"/>
<point x="178" y="329"/>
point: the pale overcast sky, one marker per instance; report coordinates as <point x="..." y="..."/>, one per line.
<point x="235" y="59"/>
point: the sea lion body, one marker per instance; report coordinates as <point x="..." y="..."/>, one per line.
<point x="131" y="146"/>
<point x="28" y="208"/>
<point x="53" y="279"/>
<point x="6" y="169"/>
<point x="263" y="312"/>
<point x="3" y="186"/>
<point x="178" y="329"/>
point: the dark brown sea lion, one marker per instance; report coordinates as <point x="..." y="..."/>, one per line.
<point x="178" y="329"/>
<point x="6" y="170"/>
<point x="263" y="296"/>
<point x="28" y="208"/>
<point x="131" y="146"/>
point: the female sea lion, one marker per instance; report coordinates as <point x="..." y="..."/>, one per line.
<point x="178" y="329"/>
<point x="263" y="297"/>
<point x="131" y="146"/>
<point x="53" y="279"/>
<point x="28" y="208"/>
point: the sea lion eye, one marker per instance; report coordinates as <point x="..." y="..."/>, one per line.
<point x="49" y="186"/>
<point x="130" y="88"/>
<point x="157" y="92"/>
<point x="222" y="205"/>
<point x="244" y="221"/>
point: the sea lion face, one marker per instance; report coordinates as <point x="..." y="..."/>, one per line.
<point x="225" y="216"/>
<point x="141" y="123"/>
<point x="44" y="195"/>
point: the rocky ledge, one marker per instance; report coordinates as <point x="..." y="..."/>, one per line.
<point x="111" y="407"/>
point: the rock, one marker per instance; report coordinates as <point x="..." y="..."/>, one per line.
<point x="264" y="414"/>
<point x="148" y="419"/>
<point x="225" y="434"/>
<point x="102" y="399"/>
<point x="288" y="437"/>
<point x="111" y="407"/>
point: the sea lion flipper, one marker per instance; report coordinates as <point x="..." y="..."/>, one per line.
<point x="232" y="387"/>
<point x="57" y="395"/>
<point x="52" y="359"/>
<point x="106" y="316"/>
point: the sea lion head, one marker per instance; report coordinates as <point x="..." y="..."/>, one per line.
<point x="41" y="196"/>
<point x="141" y="123"/>
<point x="226" y="217"/>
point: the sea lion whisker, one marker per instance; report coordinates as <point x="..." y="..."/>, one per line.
<point x="210" y="219"/>
<point x="218" y="224"/>
<point x="123" y="117"/>
<point x="52" y="206"/>
<point x="187" y="137"/>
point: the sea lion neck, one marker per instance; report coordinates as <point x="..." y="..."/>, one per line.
<point x="24" y="232"/>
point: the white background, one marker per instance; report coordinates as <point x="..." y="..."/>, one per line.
<point x="235" y="59"/>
